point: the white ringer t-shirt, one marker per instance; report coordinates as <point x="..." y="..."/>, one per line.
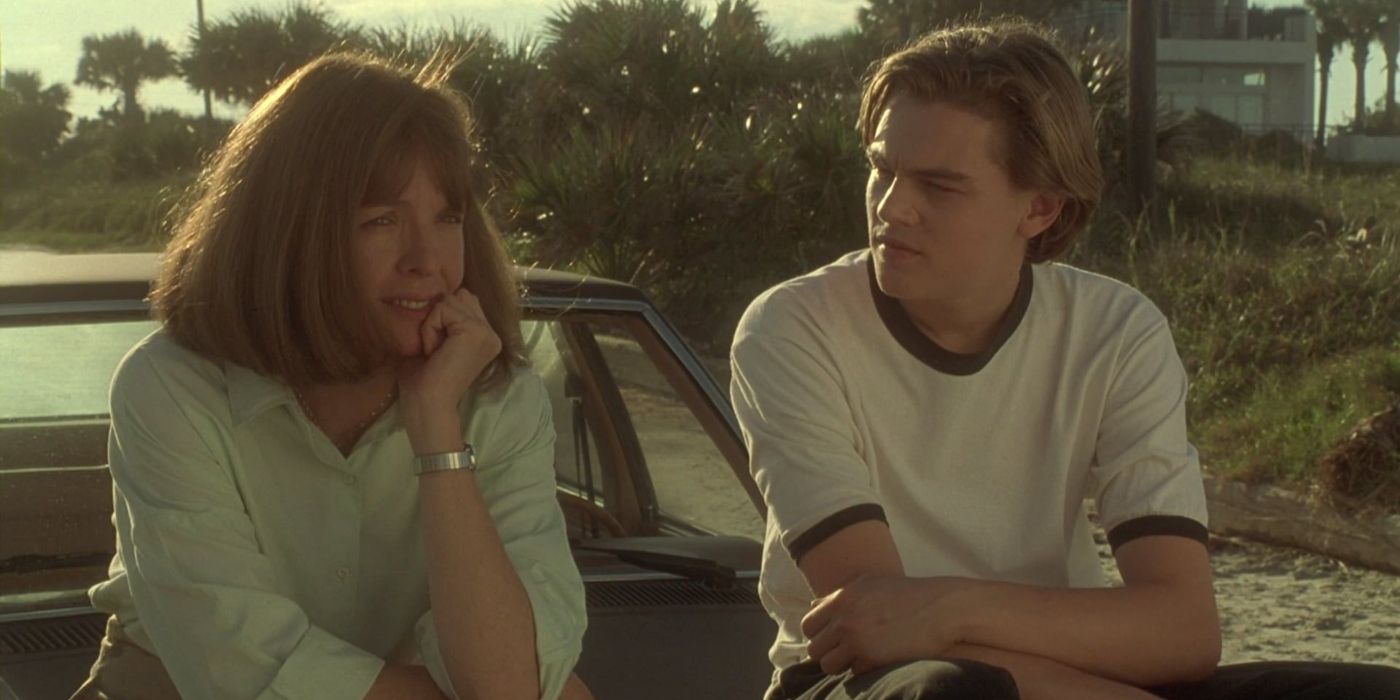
<point x="980" y="464"/>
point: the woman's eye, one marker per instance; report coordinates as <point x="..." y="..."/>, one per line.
<point x="385" y="220"/>
<point x="452" y="218"/>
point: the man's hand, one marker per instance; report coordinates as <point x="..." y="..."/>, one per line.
<point x="878" y="620"/>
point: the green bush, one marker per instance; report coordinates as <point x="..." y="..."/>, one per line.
<point x="93" y="214"/>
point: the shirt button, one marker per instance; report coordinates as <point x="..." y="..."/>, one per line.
<point x="349" y="479"/>
<point x="342" y="573"/>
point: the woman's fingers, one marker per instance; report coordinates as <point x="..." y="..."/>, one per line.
<point x="432" y="330"/>
<point x="461" y="311"/>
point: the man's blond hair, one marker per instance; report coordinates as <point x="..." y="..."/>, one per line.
<point x="1010" y="71"/>
<point x="258" y="272"/>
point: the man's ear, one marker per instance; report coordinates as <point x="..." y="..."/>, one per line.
<point x="1044" y="209"/>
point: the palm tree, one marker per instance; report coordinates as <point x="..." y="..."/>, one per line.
<point x="122" y="62"/>
<point x="32" y="118"/>
<point x="1361" y="21"/>
<point x="1389" y="35"/>
<point x="893" y="23"/>
<point x="625" y="58"/>
<point x="1330" y="32"/>
<point x="239" y="59"/>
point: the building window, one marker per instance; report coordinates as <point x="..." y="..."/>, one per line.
<point x="1251" y="110"/>
<point x="1223" y="106"/>
<point x="1234" y="76"/>
<point x="1178" y="75"/>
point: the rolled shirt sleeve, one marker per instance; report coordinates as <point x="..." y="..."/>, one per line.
<point x="797" y="423"/>
<point x="209" y="600"/>
<point x="515" y="457"/>
<point x="1147" y="473"/>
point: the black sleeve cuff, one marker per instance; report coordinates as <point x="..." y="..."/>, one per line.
<point x="1174" y="525"/>
<point x="832" y="524"/>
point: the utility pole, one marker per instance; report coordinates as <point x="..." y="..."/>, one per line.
<point x="208" y="105"/>
<point x="1142" y="104"/>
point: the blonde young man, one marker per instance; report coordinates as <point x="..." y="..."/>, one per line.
<point x="926" y="418"/>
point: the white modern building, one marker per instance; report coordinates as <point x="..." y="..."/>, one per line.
<point x="1254" y="68"/>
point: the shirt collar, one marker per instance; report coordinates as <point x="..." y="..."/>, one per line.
<point x="250" y="393"/>
<point x="916" y="343"/>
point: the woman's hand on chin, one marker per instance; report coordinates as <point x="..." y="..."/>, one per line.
<point x="458" y="344"/>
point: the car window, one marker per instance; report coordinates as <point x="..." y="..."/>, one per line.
<point x="54" y="372"/>
<point x="577" y="464"/>
<point x="694" y="482"/>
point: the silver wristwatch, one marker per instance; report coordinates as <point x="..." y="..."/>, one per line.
<point x="446" y="461"/>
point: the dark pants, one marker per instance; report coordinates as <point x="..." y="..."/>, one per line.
<point x="1290" y="680"/>
<point x="956" y="679"/>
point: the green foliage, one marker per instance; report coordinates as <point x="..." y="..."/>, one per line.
<point x="32" y="118"/>
<point x="1286" y="320"/>
<point x="499" y="79"/>
<point x="1278" y="432"/>
<point x="240" y="58"/>
<point x="91" y="216"/>
<point x="890" y="24"/>
<point x="1255" y="314"/>
<point x="122" y="62"/>
<point x="829" y="65"/>
<point x="623" y="60"/>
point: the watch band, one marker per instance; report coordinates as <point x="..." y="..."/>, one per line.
<point x="446" y="461"/>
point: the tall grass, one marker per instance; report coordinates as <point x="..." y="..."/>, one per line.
<point x="1288" y="324"/>
<point x="75" y="216"/>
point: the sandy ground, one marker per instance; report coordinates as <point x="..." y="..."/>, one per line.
<point x="1275" y="603"/>
<point x="1280" y="603"/>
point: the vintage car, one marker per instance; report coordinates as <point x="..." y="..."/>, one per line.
<point x="664" y="520"/>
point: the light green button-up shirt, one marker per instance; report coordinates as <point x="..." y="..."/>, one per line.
<point x="258" y="562"/>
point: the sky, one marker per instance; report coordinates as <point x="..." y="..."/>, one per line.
<point x="46" y="35"/>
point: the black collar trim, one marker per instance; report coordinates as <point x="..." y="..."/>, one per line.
<point x="914" y="341"/>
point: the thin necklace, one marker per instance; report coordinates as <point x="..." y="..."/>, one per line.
<point x="359" y="427"/>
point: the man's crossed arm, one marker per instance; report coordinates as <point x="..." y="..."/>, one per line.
<point x="1160" y="627"/>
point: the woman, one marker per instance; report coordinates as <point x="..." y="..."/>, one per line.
<point x="296" y="509"/>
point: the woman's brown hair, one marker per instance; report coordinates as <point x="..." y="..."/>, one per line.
<point x="258" y="272"/>
<point x="1008" y="70"/>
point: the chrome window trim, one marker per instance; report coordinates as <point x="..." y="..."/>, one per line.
<point x="64" y="308"/>
<point x="48" y="614"/>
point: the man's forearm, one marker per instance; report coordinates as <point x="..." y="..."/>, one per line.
<point x="1039" y="678"/>
<point x="1142" y="635"/>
